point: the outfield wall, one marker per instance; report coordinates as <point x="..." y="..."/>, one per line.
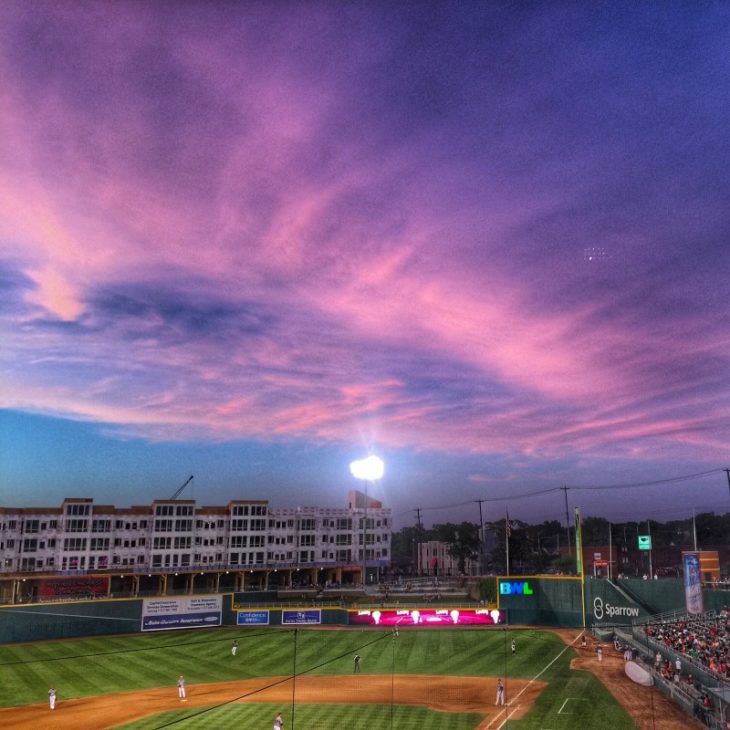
<point x="68" y="619"/>
<point x="667" y="594"/>
<point x="556" y="601"/>
<point x="63" y="620"/>
<point x="543" y="601"/>
<point x="524" y="600"/>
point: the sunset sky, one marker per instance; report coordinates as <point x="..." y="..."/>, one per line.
<point x="253" y="241"/>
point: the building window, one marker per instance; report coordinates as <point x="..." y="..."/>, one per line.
<point x="77" y="525"/>
<point x="74" y="544"/>
<point x="77" y="509"/>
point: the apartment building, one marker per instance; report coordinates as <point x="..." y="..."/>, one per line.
<point x="177" y="535"/>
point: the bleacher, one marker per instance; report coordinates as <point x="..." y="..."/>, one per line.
<point x="701" y="645"/>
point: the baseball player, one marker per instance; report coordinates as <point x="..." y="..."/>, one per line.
<point x="234" y="647"/>
<point x="356" y="660"/>
<point x="181" y="689"/>
<point x="500" y="693"/>
<point x="52" y="698"/>
<point x="514" y="647"/>
<point x="278" y="721"/>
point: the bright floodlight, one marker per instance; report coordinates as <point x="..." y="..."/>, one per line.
<point x="368" y="469"/>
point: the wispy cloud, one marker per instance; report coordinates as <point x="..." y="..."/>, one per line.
<point x="284" y="225"/>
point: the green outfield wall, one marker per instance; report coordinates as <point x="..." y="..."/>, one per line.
<point x="525" y="600"/>
<point x="549" y="601"/>
<point x="543" y="601"/>
<point x="667" y="594"/>
<point x="62" y="620"/>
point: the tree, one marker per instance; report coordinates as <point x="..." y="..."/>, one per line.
<point x="403" y="548"/>
<point x="462" y="541"/>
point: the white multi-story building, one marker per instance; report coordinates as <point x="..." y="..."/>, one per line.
<point x="176" y="535"/>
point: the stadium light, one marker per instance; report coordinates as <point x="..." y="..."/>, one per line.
<point x="367" y="470"/>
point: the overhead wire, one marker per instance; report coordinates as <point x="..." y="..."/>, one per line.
<point x="576" y="487"/>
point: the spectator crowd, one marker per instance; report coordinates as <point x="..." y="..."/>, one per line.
<point x="706" y="640"/>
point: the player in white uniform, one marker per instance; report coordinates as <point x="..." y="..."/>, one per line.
<point x="500" y="693"/>
<point x="52" y="698"/>
<point x="181" y="688"/>
<point x="278" y="722"/>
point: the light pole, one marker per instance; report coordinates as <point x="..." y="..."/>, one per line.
<point x="368" y="470"/>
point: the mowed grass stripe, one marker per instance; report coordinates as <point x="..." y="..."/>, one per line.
<point x="312" y="717"/>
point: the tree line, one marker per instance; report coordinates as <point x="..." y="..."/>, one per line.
<point x="540" y="548"/>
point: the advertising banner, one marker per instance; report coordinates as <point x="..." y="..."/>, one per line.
<point x="312" y="616"/>
<point x="91" y="586"/>
<point x="189" y="612"/>
<point x="248" y="618"/>
<point x="425" y="617"/>
<point x="692" y="583"/>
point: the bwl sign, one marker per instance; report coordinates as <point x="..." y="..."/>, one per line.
<point x="515" y="588"/>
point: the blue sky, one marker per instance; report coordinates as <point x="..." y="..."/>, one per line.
<point x="254" y="241"/>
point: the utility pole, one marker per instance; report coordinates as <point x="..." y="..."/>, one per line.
<point x="694" y="528"/>
<point x="567" y="520"/>
<point x="507" y="530"/>
<point x="727" y="474"/>
<point x="610" y="550"/>
<point x="481" y="536"/>
<point x="648" y="530"/>
<point x="419" y="528"/>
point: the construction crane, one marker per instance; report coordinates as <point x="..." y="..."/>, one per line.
<point x="179" y="490"/>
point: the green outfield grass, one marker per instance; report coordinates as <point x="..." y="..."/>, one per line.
<point x="94" y="666"/>
<point x="313" y="717"/>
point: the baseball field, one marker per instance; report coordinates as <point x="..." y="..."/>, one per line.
<point x="426" y="679"/>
